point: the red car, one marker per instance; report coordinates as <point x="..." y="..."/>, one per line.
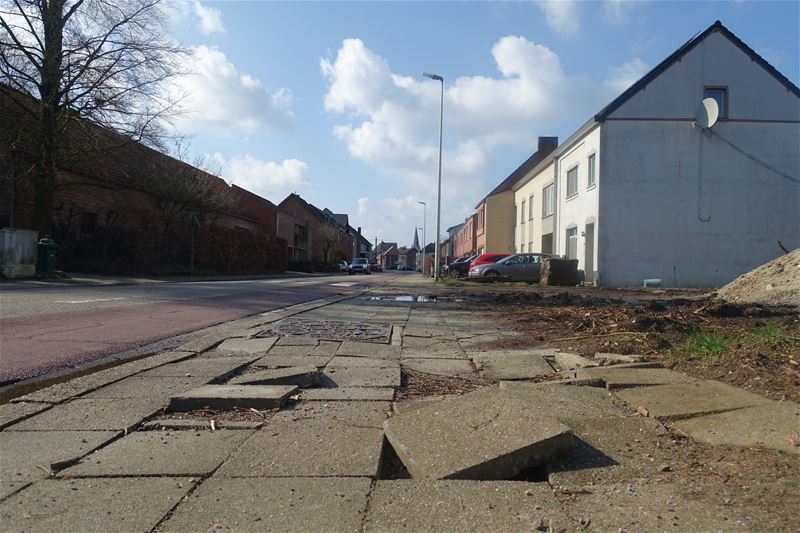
<point x="486" y="258"/>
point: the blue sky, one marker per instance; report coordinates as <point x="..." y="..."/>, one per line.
<point x="326" y="99"/>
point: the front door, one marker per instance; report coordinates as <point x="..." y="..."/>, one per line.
<point x="588" y="266"/>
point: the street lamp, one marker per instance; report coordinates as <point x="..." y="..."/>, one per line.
<point x="439" y="194"/>
<point x="424" y="229"/>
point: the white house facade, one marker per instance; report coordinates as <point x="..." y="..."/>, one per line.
<point x="642" y="192"/>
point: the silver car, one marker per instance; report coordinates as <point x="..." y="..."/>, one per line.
<point x="517" y="267"/>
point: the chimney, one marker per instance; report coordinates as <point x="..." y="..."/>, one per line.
<point x="359" y="230"/>
<point x="547" y="145"/>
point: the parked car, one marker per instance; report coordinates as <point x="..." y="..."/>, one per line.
<point x="360" y="265"/>
<point x="376" y="267"/>
<point x="517" y="267"/>
<point x="458" y="268"/>
<point x="343" y="266"/>
<point x="484" y="259"/>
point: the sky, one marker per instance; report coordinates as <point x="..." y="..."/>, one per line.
<point x="327" y="99"/>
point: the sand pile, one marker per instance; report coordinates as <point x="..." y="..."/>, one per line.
<point x="776" y="282"/>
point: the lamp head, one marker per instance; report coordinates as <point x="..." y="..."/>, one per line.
<point x="433" y="76"/>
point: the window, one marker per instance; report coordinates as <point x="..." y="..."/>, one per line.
<point x="720" y="94"/>
<point x="548" y="200"/>
<point x="530" y="246"/>
<point x="530" y="207"/>
<point x="591" y="171"/>
<point x="523" y="248"/>
<point x="572" y="181"/>
<point x="572" y="243"/>
<point x="522" y="213"/>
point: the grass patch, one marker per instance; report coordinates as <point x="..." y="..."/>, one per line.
<point x="709" y="347"/>
<point x="773" y="336"/>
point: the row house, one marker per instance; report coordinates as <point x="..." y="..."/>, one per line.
<point x="464" y="240"/>
<point x="387" y="255"/>
<point x="645" y="189"/>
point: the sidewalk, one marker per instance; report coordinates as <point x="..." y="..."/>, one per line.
<point x="405" y="420"/>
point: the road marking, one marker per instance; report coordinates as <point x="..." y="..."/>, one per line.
<point x="89" y="301"/>
<point x="343" y="284"/>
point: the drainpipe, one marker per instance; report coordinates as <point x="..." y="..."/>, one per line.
<point x="556" y="200"/>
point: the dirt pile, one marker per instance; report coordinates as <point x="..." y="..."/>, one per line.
<point x="776" y="282"/>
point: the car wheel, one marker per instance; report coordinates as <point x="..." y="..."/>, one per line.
<point x="351" y="272"/>
<point x="492" y="274"/>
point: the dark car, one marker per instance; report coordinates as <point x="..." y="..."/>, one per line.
<point x="360" y="265"/>
<point x="376" y="267"/>
<point x="483" y="259"/>
<point x="459" y="268"/>
<point x="517" y="267"/>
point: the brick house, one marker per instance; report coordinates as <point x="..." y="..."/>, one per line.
<point x="387" y="255"/>
<point x="464" y="240"/>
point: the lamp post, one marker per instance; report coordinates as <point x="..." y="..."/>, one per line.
<point x="424" y="229"/>
<point x="439" y="194"/>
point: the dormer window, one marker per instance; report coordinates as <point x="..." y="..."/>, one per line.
<point x="720" y="94"/>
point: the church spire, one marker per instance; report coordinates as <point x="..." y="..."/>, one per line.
<point x="416" y="241"/>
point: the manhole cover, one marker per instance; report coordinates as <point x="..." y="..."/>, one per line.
<point x="331" y="330"/>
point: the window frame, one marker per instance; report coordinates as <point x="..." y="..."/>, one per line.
<point x="591" y="171"/>
<point x="530" y="207"/>
<point x="577" y="179"/>
<point x="723" y="112"/>
<point x="548" y="195"/>
<point x="522" y="214"/>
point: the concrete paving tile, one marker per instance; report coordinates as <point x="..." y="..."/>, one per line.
<point x="511" y="364"/>
<point x="25" y="458"/>
<point x="229" y="397"/>
<point x="160" y="388"/>
<point x="204" y="342"/>
<point x="274" y="504"/>
<point x="326" y="348"/>
<point x="363" y="376"/>
<point x="343" y="361"/>
<point x="316" y="446"/>
<point x="442" y="367"/>
<point x="460" y="505"/>
<point x="684" y="400"/>
<point x="766" y="425"/>
<point x="277" y="361"/>
<point x="610" y="450"/>
<point x="567" y="361"/>
<point x="169" y="453"/>
<point x="258" y="345"/>
<point x="655" y="506"/>
<point x="617" y="377"/>
<point x="297" y="340"/>
<point x="435" y="350"/>
<point x="294" y="350"/>
<point x="349" y="394"/>
<point x="567" y="402"/>
<point x="368" y="349"/>
<point x="301" y="376"/>
<point x="11" y="413"/>
<point x="218" y="368"/>
<point x="91" y="414"/>
<point x="497" y="436"/>
<point x="615" y="358"/>
<point x="429" y="332"/>
<point x="87" y="505"/>
<point x="359" y="414"/>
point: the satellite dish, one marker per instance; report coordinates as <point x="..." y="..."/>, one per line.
<point x="707" y="113"/>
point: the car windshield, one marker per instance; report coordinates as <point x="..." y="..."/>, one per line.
<point x="359" y="261"/>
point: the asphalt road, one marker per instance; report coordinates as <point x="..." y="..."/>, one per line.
<point x="46" y="328"/>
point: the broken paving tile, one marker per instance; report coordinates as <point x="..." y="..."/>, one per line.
<point x="616" y="358"/>
<point x="258" y="345"/>
<point x="102" y="505"/>
<point x="184" y="423"/>
<point x="343" y="361"/>
<point x="297" y="340"/>
<point x="363" y="376"/>
<point x="366" y="414"/>
<point x="618" y="377"/>
<point x="91" y="414"/>
<point x="684" y="400"/>
<point x="458" y="505"/>
<point x="301" y="376"/>
<point x="349" y="394"/>
<point x="320" y="504"/>
<point x="218" y="368"/>
<point x="277" y="361"/>
<point x="767" y="425"/>
<point x="485" y="434"/>
<point x="166" y="453"/>
<point x="419" y="347"/>
<point x="567" y="361"/>
<point x="441" y="367"/>
<point x="160" y="388"/>
<point x="511" y="364"/>
<point x="567" y="402"/>
<point x="11" y="413"/>
<point x="229" y="397"/>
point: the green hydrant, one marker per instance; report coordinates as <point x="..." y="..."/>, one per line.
<point x="46" y="258"/>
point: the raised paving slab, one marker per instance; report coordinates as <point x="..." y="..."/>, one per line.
<point x="321" y="444"/>
<point x="88" y="505"/>
<point x="616" y="377"/>
<point x="611" y="450"/>
<point x="766" y="425"/>
<point x="301" y="376"/>
<point x="219" y="368"/>
<point x="427" y="331"/>
<point x="511" y="364"/>
<point x="259" y="345"/>
<point x="567" y="402"/>
<point x="485" y="434"/>
<point x="349" y="394"/>
<point x="616" y="358"/>
<point x="343" y="361"/>
<point x="277" y="361"/>
<point x="229" y="397"/>
<point x="302" y="349"/>
<point x="308" y="504"/>
<point x="169" y="453"/>
<point x="684" y="400"/>
<point x="367" y="349"/>
<point x="148" y="387"/>
<point x="441" y="367"/>
<point x="566" y="361"/>
<point x="363" y="376"/>
<point x="25" y="457"/>
<point x="94" y="414"/>
<point x="359" y="414"/>
<point x="13" y="412"/>
<point x="459" y="505"/>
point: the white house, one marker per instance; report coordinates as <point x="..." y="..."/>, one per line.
<point x="640" y="191"/>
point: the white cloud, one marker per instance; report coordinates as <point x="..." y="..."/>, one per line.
<point x="622" y="77"/>
<point x="562" y="16"/>
<point x="217" y="97"/>
<point x="210" y="18"/>
<point x="362" y="206"/>
<point x="267" y="179"/>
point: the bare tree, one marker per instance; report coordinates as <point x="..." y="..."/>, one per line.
<point x="89" y="63"/>
<point x="329" y="236"/>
